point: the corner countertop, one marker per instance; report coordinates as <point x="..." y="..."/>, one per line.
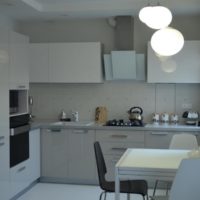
<point x="92" y="125"/>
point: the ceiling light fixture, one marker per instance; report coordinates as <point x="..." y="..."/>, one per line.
<point x="167" y="41"/>
<point x="155" y="17"/>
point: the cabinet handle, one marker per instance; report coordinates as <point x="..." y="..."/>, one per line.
<point x="80" y="131"/>
<point x="55" y="130"/>
<point x="119" y="136"/>
<point x="118" y="149"/>
<point x="2" y="137"/>
<point x="2" y="143"/>
<point x="21" y="86"/>
<point x="159" y="133"/>
<point x="21" y="169"/>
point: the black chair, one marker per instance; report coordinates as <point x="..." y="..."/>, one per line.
<point x="131" y="186"/>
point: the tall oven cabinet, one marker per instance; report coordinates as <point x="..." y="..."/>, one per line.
<point x="4" y="116"/>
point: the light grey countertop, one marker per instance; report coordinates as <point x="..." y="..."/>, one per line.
<point x="52" y="124"/>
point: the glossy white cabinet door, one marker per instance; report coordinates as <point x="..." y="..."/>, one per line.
<point x="34" y="147"/>
<point x="54" y="152"/>
<point x="4" y="117"/>
<point x="82" y="164"/>
<point x="185" y="65"/>
<point x="75" y="62"/>
<point x="19" y="177"/>
<point x="19" y="61"/>
<point x="39" y="62"/>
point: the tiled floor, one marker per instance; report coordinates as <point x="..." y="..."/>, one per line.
<point x="48" y="191"/>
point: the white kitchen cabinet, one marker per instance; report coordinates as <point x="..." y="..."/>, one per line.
<point x="114" y="143"/>
<point x="158" y="139"/>
<point x="54" y="152"/>
<point x="75" y="62"/>
<point x="19" y="177"/>
<point x="4" y="117"/>
<point x="82" y="164"/>
<point x="34" y="147"/>
<point x="19" y="61"/>
<point x="39" y="63"/>
<point x="185" y="65"/>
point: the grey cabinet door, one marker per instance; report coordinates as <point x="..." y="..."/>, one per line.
<point x="54" y="153"/>
<point x="81" y="166"/>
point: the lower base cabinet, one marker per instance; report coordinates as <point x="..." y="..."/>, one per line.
<point x="68" y="155"/>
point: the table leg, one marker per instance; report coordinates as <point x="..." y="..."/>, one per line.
<point x="117" y="185"/>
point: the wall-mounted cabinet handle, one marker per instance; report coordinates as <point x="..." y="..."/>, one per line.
<point x="159" y="133"/>
<point x="119" y="136"/>
<point x="2" y="143"/>
<point x="21" y="86"/>
<point x="21" y="169"/>
<point x="2" y="137"/>
<point x="55" y="130"/>
<point x="118" y="149"/>
<point x="80" y="131"/>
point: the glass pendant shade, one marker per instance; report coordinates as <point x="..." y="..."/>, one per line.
<point x="167" y="41"/>
<point x="155" y="17"/>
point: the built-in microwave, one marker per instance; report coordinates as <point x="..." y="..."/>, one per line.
<point x="18" y="102"/>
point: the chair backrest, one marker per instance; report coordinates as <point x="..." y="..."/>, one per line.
<point x="100" y="162"/>
<point x="184" y="141"/>
<point x="186" y="184"/>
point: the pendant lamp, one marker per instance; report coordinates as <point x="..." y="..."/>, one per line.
<point x="167" y="41"/>
<point x="155" y="17"/>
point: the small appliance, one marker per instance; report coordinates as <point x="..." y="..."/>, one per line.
<point x="191" y="117"/>
<point x="135" y="113"/>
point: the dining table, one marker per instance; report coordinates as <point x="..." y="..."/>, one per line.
<point x="148" y="164"/>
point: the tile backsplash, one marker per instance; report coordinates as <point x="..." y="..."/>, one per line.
<point x="118" y="97"/>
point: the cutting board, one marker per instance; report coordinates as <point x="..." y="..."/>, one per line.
<point x="101" y="114"/>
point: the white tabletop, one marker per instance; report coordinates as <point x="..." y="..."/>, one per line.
<point x="154" y="159"/>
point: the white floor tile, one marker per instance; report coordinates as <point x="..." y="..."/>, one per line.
<point x="48" y="191"/>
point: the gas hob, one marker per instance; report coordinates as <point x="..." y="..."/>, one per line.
<point x="121" y="122"/>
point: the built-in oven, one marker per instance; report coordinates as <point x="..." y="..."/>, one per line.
<point x="19" y="139"/>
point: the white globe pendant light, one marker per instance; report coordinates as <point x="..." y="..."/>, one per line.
<point x="167" y="41"/>
<point x="160" y="17"/>
<point x="145" y="13"/>
<point x="155" y="17"/>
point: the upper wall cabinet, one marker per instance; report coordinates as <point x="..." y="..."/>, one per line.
<point x="183" y="67"/>
<point x="124" y="65"/>
<point x="66" y="62"/>
<point x="39" y="63"/>
<point x="19" y="61"/>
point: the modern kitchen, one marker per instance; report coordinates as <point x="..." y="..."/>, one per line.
<point x="74" y="74"/>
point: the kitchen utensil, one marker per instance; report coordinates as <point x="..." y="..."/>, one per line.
<point x="101" y="114"/>
<point x="135" y="113"/>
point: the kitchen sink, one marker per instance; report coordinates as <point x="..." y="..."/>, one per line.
<point x="79" y="123"/>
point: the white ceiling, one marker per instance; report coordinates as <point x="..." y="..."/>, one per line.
<point x="64" y="9"/>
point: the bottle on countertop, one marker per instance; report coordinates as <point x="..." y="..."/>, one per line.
<point x="75" y="116"/>
<point x="63" y="116"/>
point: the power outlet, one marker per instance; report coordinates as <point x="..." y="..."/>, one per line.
<point x="187" y="105"/>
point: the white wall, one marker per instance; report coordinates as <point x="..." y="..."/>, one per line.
<point x="49" y="99"/>
<point x="7" y="23"/>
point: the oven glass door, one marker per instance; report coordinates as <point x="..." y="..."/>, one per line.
<point x="19" y="145"/>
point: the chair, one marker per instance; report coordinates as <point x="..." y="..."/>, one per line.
<point x="186" y="182"/>
<point x="180" y="141"/>
<point x="134" y="186"/>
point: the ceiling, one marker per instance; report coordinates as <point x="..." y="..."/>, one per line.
<point x="64" y="9"/>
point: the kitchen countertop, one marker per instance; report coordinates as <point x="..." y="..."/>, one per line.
<point x="147" y="127"/>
